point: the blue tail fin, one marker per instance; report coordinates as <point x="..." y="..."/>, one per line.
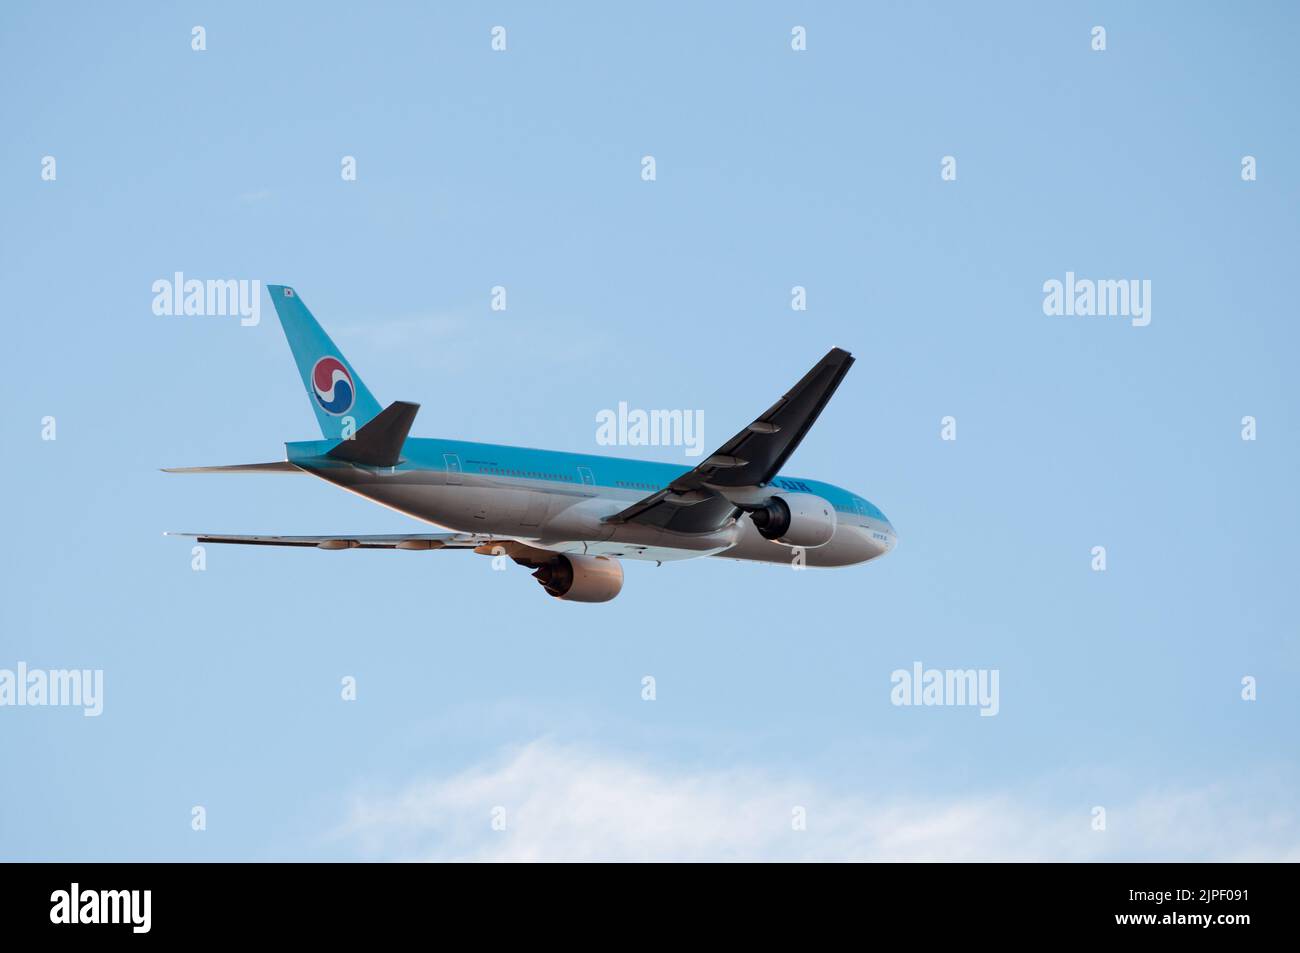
<point x="340" y="399"/>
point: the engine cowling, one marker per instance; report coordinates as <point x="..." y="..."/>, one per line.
<point x="581" y="578"/>
<point x="795" y="519"/>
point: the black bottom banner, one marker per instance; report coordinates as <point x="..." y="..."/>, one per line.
<point x="217" y="901"/>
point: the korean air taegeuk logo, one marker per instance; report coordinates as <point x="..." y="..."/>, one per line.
<point x="332" y="385"/>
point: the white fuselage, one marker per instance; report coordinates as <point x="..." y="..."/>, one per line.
<point x="569" y="518"/>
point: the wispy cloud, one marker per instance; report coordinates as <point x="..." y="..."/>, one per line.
<point x="572" y="803"/>
<point x="454" y="341"/>
<point x="402" y="334"/>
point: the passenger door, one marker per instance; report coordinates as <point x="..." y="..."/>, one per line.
<point x="454" y="477"/>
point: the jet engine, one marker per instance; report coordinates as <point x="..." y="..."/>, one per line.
<point x="581" y="578"/>
<point x="795" y="519"/>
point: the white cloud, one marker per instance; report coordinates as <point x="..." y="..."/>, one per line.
<point x="571" y="803"/>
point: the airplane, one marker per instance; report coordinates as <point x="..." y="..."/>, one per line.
<point x="569" y="517"/>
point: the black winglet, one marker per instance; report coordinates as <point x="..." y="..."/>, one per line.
<point x="379" y="443"/>
<point x="749" y="459"/>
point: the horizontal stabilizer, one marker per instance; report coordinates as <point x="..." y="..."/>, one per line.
<point x="281" y="466"/>
<point x="379" y="443"/>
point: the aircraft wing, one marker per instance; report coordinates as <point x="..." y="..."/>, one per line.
<point x="698" y="501"/>
<point x="398" y="541"/>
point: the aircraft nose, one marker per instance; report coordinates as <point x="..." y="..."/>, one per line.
<point x="887" y="539"/>
<point x="872" y="542"/>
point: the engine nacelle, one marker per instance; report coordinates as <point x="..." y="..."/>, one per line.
<point x="581" y="578"/>
<point x="795" y="519"/>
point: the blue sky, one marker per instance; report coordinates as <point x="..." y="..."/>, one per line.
<point x="775" y="168"/>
